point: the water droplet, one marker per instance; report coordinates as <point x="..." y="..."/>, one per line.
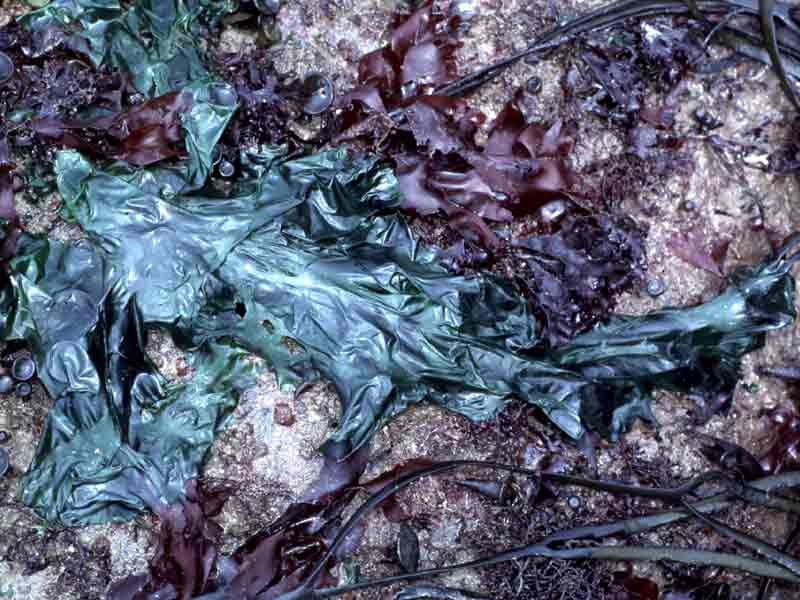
<point x="226" y="168"/>
<point x="6" y="67"/>
<point x="466" y="11"/>
<point x="23" y="390"/>
<point x="500" y="196"/>
<point x="689" y="205"/>
<point x="5" y="436"/>
<point x="318" y="91"/>
<point x="408" y="89"/>
<point x="655" y="287"/>
<point x="167" y="192"/>
<point x="23" y="369"/>
<point x="553" y="211"/>
<point x="6" y="384"/>
<point x="574" y="502"/>
<point x="594" y="283"/>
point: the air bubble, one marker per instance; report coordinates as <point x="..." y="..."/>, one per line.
<point x="655" y="287"/>
<point x="23" y="369"/>
<point x="6" y="67"/>
<point x="534" y="85"/>
<point x="226" y="168"/>
<point x="318" y="91"/>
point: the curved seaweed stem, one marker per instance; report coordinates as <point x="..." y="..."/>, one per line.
<point x="600" y="18"/>
<point x="605" y="16"/>
<point x="406" y="480"/>
<point x="793" y="538"/>
<point x="768" y="551"/>
<point x="723" y="23"/>
<point x="765" y="485"/>
<point x="766" y="8"/>
<point x="612" y="553"/>
<point x="676" y="493"/>
<point x="617" y="12"/>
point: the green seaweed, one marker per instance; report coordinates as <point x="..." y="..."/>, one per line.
<point x="153" y="41"/>
<point x="118" y="437"/>
<point x="309" y="248"/>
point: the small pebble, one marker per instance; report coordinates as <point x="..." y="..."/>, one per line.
<point x="5" y="437"/>
<point x="283" y="414"/>
<point x="408" y="549"/>
<point x="706" y="119"/>
<point x="23" y="369"/>
<point x="534" y="85"/>
<point x="655" y="287"/>
<point x="573" y="78"/>
<point x="4" y="462"/>
<point x="6" y="384"/>
<point x="23" y="390"/>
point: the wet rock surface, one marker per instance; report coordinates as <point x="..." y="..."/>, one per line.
<point x="270" y="448"/>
